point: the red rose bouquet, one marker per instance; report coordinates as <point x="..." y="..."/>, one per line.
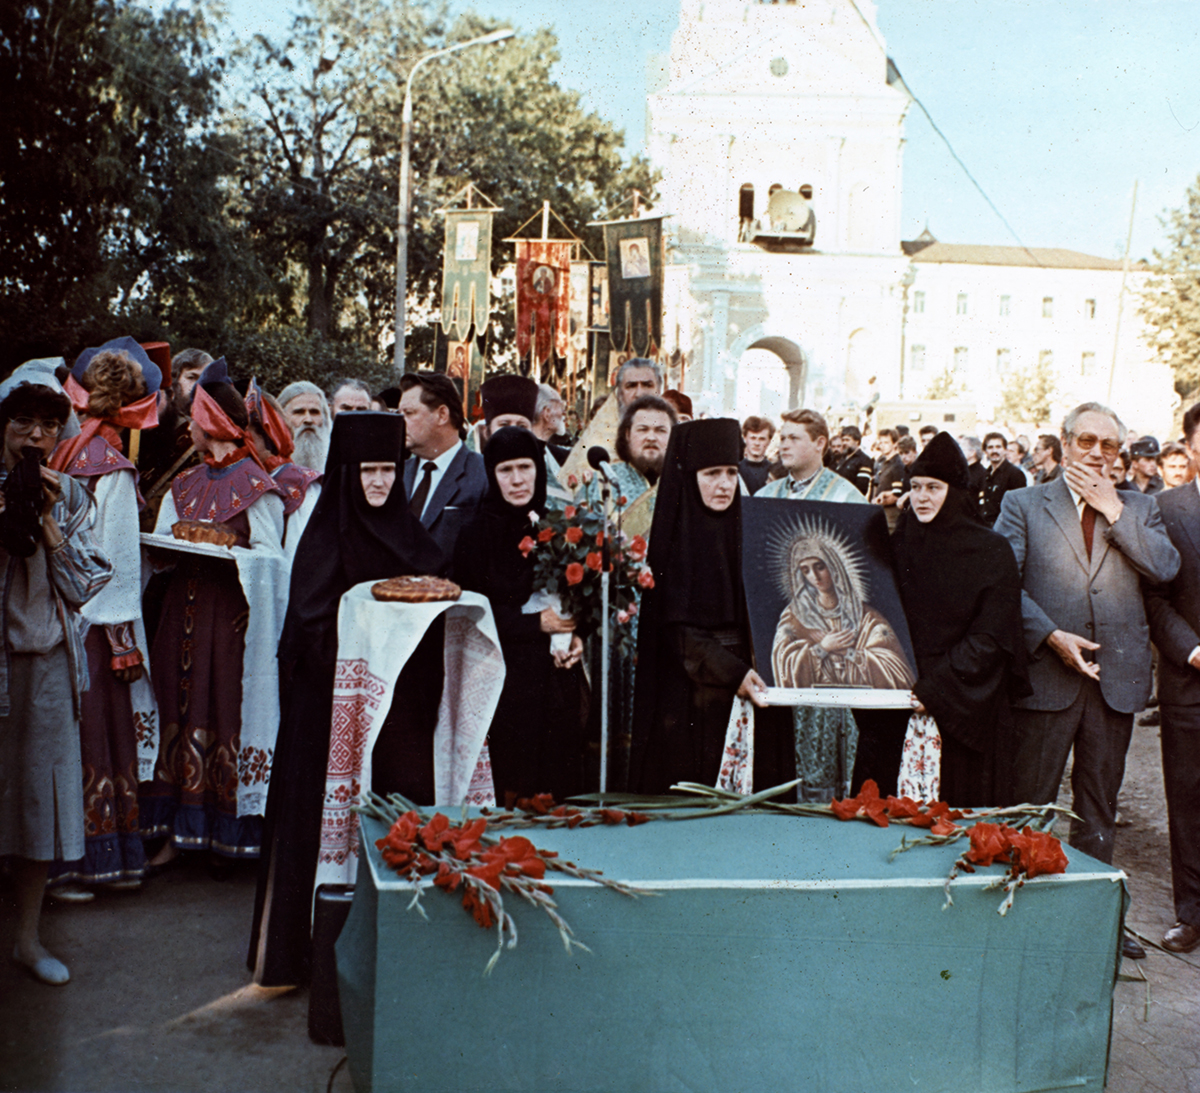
<point x="568" y="550"/>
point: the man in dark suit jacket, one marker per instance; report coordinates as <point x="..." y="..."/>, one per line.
<point x="856" y="465"/>
<point x="1175" y="627"/>
<point x="1001" y="477"/>
<point x="1083" y="549"/>
<point x="443" y="481"/>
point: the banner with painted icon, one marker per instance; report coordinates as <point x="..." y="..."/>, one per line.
<point x="465" y="365"/>
<point x="577" y="343"/>
<point x="466" y="267"/>
<point x="633" y="254"/>
<point x="543" y="299"/>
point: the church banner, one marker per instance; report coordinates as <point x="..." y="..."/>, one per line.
<point x="633" y="253"/>
<point x="543" y="299"/>
<point x="466" y="267"/>
<point x="577" y="354"/>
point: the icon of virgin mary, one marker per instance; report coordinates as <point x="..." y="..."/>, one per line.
<point x="828" y="634"/>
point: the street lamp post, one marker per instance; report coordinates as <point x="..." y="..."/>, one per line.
<point x="405" y="194"/>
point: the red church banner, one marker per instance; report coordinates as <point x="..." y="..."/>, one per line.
<point x="543" y="299"/>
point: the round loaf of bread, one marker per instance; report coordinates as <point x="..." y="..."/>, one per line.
<point x="198" y="531"/>
<point x="415" y="590"/>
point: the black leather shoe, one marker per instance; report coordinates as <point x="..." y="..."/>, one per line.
<point x="1131" y="950"/>
<point x="1181" y="938"/>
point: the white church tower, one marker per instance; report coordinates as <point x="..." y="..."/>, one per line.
<point x="760" y="97"/>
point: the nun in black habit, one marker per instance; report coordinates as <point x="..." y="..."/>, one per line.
<point x="536" y="740"/>
<point x="360" y="530"/>
<point x="693" y="655"/>
<point x="961" y="592"/>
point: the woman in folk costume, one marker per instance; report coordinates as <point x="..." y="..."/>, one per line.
<point x="273" y="444"/>
<point x="361" y="530"/>
<point x="694" y="637"/>
<point x="50" y="566"/>
<point x="213" y="659"/>
<point x="961" y="592"/>
<point x="536" y="740"/>
<point x="112" y="388"/>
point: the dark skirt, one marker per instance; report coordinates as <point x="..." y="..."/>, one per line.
<point x="113" y="848"/>
<point x="196" y="665"/>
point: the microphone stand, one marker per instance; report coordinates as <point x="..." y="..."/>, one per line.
<point x="606" y="698"/>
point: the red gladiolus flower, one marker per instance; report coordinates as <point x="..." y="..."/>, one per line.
<point x="540" y="804"/>
<point x="545" y="535"/>
<point x="447" y="879"/>
<point x="465" y="840"/>
<point x="637" y="549"/>
<point x="594" y="561"/>
<point x="868" y="804"/>
<point x="574" y="534"/>
<point x="574" y="573"/>
<point x="480" y="908"/>
<point x="488" y="871"/>
<point x="572" y="481"/>
<point x="989" y="843"/>
<point x="600" y="538"/>
<point x="569" y="511"/>
<point x="646" y="579"/>
<point x="436" y="833"/>
<point x="515" y="854"/>
<point x="902" y="808"/>
<point x="1038" y="853"/>
<point x="526" y="545"/>
<point x="622" y="500"/>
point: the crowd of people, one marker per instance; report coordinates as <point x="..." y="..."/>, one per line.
<point x="159" y="697"/>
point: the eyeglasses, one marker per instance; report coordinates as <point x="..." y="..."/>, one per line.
<point x="25" y="425"/>
<point x="1087" y="441"/>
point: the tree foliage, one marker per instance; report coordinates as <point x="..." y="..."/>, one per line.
<point x="946" y="385"/>
<point x="1028" y="393"/>
<point x="109" y="201"/>
<point x="263" y="224"/>
<point x="1171" y="299"/>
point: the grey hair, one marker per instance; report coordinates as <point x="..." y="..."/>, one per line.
<point x="1069" y="422"/>
<point x="547" y="396"/>
<point x="640" y="362"/>
<point x="189" y="358"/>
<point x="303" y="387"/>
<point x="354" y="385"/>
<point x="973" y="443"/>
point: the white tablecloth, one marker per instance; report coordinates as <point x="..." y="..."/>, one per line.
<point x="375" y="641"/>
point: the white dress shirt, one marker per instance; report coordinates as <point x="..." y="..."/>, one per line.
<point x="440" y="466"/>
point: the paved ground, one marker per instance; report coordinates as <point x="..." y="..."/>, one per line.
<point x="159" y="999"/>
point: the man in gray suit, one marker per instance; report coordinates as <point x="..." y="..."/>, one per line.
<point x="1082" y="549"/>
<point x="443" y="481"/>
<point x="1175" y="626"/>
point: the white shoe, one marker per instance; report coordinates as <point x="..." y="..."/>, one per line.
<point x="48" y="969"/>
<point x="71" y="893"/>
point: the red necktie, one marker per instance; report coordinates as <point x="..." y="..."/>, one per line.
<point x="1088" y="524"/>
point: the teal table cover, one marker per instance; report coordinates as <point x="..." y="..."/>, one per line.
<point x="781" y="953"/>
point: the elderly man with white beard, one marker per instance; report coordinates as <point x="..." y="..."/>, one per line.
<point x="307" y="412"/>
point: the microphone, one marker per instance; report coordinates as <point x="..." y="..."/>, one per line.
<point x="597" y="458"/>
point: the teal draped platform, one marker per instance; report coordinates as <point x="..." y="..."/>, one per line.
<point x="783" y="953"/>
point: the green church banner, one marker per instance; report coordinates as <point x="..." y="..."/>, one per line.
<point x="466" y="267"/>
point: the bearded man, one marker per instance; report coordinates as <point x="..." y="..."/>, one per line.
<point x="307" y="412"/>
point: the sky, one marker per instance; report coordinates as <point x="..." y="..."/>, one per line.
<point x="1056" y="107"/>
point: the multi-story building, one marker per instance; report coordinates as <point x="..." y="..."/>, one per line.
<point x="754" y="97"/>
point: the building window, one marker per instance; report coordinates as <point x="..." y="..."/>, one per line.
<point x="1047" y="307"/>
<point x="1087" y="366"/>
<point x="961" y="308"/>
<point x="1003" y="361"/>
<point x="746" y="213"/>
<point x="960" y="358"/>
<point x="919" y="302"/>
<point x="916" y="358"/>
<point x="1089" y="309"/>
<point x="1005" y="301"/>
